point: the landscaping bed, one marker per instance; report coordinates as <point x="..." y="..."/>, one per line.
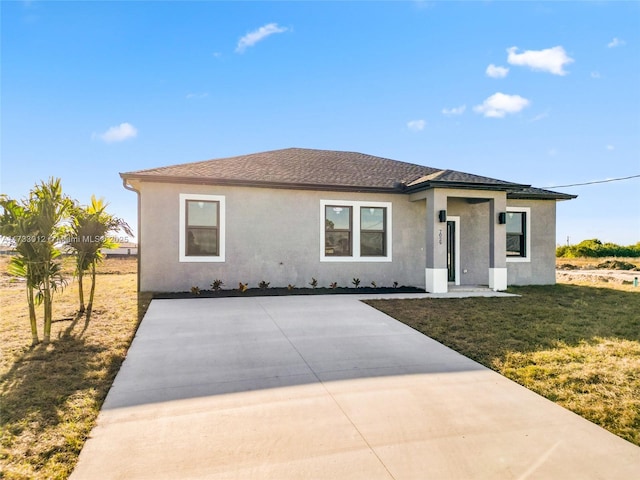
<point x="280" y="291"/>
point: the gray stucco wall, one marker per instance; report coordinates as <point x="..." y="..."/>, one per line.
<point x="274" y="235"/>
<point x="541" y="269"/>
<point x="474" y="240"/>
<point x="271" y="235"/>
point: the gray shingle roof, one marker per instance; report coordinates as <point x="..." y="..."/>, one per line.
<point x="317" y="169"/>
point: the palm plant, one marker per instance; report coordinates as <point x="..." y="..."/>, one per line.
<point x="88" y="236"/>
<point x="49" y="207"/>
<point x="16" y="224"/>
<point x="34" y="225"/>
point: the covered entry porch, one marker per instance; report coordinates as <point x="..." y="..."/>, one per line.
<point x="465" y="240"/>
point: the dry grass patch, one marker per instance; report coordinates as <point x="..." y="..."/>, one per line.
<point x="51" y="394"/>
<point x="578" y="346"/>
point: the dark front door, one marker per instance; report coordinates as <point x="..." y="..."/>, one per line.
<point x="451" y="251"/>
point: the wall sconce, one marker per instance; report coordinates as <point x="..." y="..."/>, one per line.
<point x="502" y="218"/>
<point x="442" y="216"/>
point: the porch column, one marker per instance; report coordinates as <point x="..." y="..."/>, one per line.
<point x="497" y="244"/>
<point x="436" y="243"/>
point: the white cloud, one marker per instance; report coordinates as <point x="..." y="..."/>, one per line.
<point x="454" y="111"/>
<point x="610" y="147"/>
<point x="251" y="38"/>
<point x="118" y="133"/>
<point x="550" y="60"/>
<point x="494" y="71"/>
<point x="552" y="152"/>
<point x="416" y="125"/>
<point x="595" y="74"/>
<point x="616" y="42"/>
<point x="500" y="104"/>
<point x="191" y="96"/>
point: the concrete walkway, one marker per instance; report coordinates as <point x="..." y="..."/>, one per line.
<point x="325" y="387"/>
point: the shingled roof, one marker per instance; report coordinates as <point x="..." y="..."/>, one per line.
<point x="304" y="168"/>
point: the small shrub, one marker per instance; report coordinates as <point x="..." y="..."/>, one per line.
<point x="217" y="285"/>
<point x="333" y="285"/>
<point x="374" y="285"/>
<point x="313" y="283"/>
<point x="290" y="287"/>
<point x="395" y="284"/>
<point x="356" y="282"/>
<point x="195" y="290"/>
<point x="243" y="287"/>
<point x="263" y="285"/>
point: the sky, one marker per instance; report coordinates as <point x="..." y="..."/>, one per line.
<point x="539" y="93"/>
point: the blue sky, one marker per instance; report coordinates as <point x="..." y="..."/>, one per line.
<point x="541" y="93"/>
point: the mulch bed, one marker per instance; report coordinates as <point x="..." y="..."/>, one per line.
<point x="271" y="292"/>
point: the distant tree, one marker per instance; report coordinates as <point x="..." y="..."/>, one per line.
<point x="594" y="248"/>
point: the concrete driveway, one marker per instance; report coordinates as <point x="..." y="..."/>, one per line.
<point x="325" y="387"/>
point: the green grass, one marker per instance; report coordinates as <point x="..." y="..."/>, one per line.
<point x="576" y="345"/>
<point x="51" y="394"/>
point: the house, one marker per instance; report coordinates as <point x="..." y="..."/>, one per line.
<point x="124" y="249"/>
<point x="285" y="216"/>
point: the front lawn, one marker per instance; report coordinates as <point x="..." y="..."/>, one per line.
<point x="576" y="345"/>
<point x="50" y="395"/>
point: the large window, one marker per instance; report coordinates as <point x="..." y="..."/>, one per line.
<point x="518" y="242"/>
<point x="201" y="228"/>
<point x="355" y="231"/>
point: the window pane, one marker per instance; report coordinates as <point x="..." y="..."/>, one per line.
<point x="337" y="218"/>
<point x="372" y="244"/>
<point x="202" y="214"/>
<point x="202" y="241"/>
<point x="515" y="245"/>
<point x="337" y="243"/>
<point x="515" y="222"/>
<point x="372" y="219"/>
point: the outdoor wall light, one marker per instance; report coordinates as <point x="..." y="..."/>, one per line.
<point x="502" y="218"/>
<point x="442" y="215"/>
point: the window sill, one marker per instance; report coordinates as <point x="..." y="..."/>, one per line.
<point x="356" y="259"/>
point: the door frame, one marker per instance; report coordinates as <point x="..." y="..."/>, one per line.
<point x="456" y="222"/>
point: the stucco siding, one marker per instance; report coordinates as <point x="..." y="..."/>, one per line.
<point x="271" y="235"/>
<point x="474" y="240"/>
<point x="541" y="267"/>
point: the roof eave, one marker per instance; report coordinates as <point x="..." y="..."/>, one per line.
<point x="257" y="184"/>
<point x="509" y="187"/>
<point x="540" y="196"/>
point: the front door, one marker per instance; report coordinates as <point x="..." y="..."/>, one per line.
<point x="451" y="250"/>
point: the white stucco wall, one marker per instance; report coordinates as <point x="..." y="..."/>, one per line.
<point x="271" y="235"/>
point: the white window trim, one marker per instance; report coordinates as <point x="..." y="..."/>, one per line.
<point x="527" y="235"/>
<point x="356" y="205"/>
<point x="183" y="197"/>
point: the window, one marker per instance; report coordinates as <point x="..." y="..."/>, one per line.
<point x="373" y="222"/>
<point x="518" y="243"/>
<point x="201" y="228"/>
<point x="355" y="231"/>
<point x="338" y="226"/>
